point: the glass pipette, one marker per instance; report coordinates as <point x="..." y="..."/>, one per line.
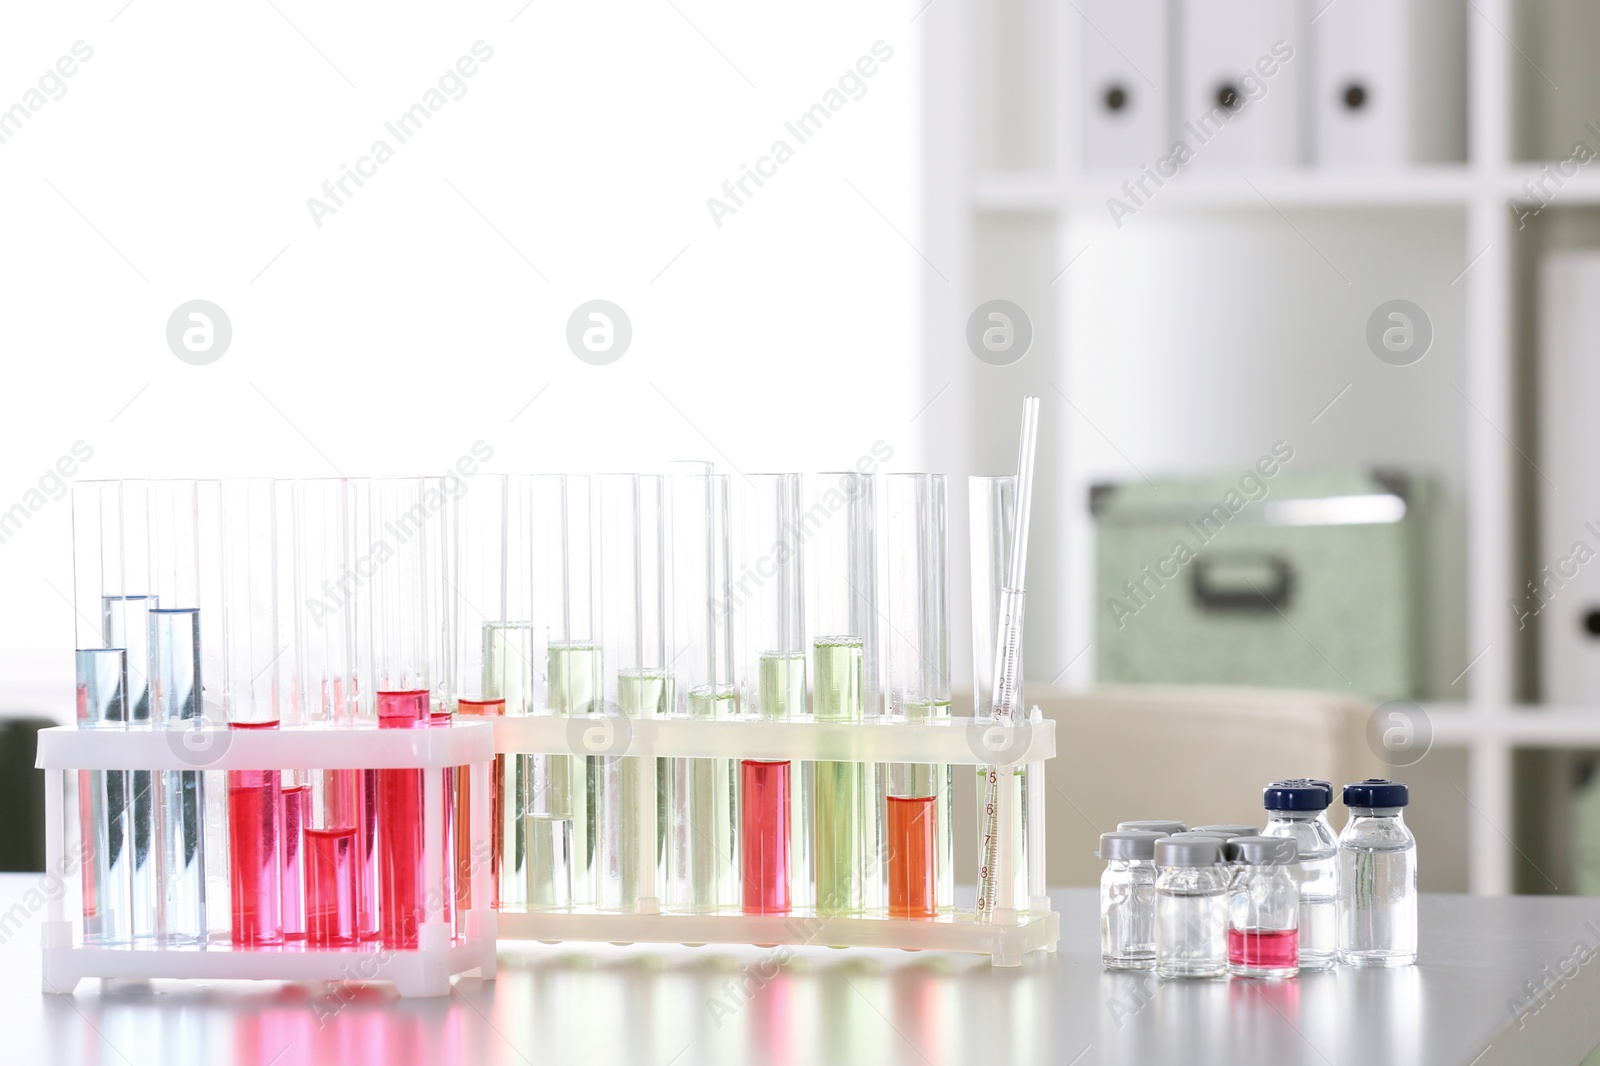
<point x="1008" y="651"/>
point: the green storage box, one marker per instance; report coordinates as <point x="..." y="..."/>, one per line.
<point x="1301" y="579"/>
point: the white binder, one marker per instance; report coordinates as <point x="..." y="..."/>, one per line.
<point x="1126" y="83"/>
<point x="1389" y="82"/>
<point x="1569" y="456"/>
<point x="1243" y="67"/>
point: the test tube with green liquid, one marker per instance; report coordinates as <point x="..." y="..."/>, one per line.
<point x="700" y="795"/>
<point x="633" y="535"/>
<point x="841" y="561"/>
<point x="554" y="515"/>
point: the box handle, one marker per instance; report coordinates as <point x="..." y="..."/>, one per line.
<point x="1242" y="582"/>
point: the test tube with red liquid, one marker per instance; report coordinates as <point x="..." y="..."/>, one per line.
<point x="339" y="850"/>
<point x="253" y="677"/>
<point x="916" y="574"/>
<point x="774" y="688"/>
<point x="401" y="655"/>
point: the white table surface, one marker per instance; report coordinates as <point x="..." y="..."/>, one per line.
<point x="1483" y="960"/>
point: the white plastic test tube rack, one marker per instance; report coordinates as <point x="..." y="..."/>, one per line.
<point x="424" y="971"/>
<point x="1013" y="932"/>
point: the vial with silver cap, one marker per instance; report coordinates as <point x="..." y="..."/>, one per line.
<point x="1152" y="825"/>
<point x="1227" y="830"/>
<point x="1128" y="899"/>
<point x="1191" y="908"/>
<point x="1263" y="908"/>
<point x="1377" y="877"/>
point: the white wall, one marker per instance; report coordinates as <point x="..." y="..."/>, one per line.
<point x="415" y="320"/>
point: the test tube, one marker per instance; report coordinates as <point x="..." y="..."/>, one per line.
<point x="102" y="677"/>
<point x="771" y="605"/>
<point x="635" y="632"/>
<point x="702" y="833"/>
<point x="252" y="682"/>
<point x="438" y="560"/>
<point x="295" y="790"/>
<point x="125" y="611"/>
<point x="176" y="522"/>
<point x="483" y="642"/>
<point x="552" y="519"/>
<point x="992" y="507"/>
<point x="921" y="879"/>
<point x="842" y="564"/>
<point x="326" y="591"/>
<point x="401" y="654"/>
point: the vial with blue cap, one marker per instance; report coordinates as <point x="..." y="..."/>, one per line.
<point x="1298" y="809"/>
<point x="1377" y="877"/>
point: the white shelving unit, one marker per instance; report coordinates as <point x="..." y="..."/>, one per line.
<point x="1006" y="200"/>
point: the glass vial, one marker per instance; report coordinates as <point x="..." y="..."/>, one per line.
<point x="1227" y="831"/>
<point x="1128" y="899"/>
<point x="1165" y="826"/>
<point x="1263" y="908"/>
<point x="1191" y="908"/>
<point x="1377" y="879"/>
<point x="1298" y="809"/>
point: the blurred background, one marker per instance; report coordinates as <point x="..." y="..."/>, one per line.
<point x="1305" y="288"/>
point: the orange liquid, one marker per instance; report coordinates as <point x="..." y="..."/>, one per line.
<point x="463" y="844"/>
<point x="911" y="877"/>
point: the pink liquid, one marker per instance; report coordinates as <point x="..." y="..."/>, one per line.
<point x="1271" y="950"/>
<point x="255" y="822"/>
<point x="764" y="835"/>
<point x="296" y="814"/>
<point x="400" y="872"/>
<point x="331" y="887"/>
<point x="353" y="801"/>
<point x="911" y="858"/>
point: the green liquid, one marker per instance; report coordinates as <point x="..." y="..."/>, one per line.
<point x="644" y="693"/>
<point x="508" y="670"/>
<point x="508" y="665"/>
<point x="836" y="686"/>
<point x="839" y="788"/>
<point x="702" y="842"/>
<point x="573" y="672"/>
<point x="781" y="677"/>
<point x="782" y="684"/>
<point x="550" y="854"/>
